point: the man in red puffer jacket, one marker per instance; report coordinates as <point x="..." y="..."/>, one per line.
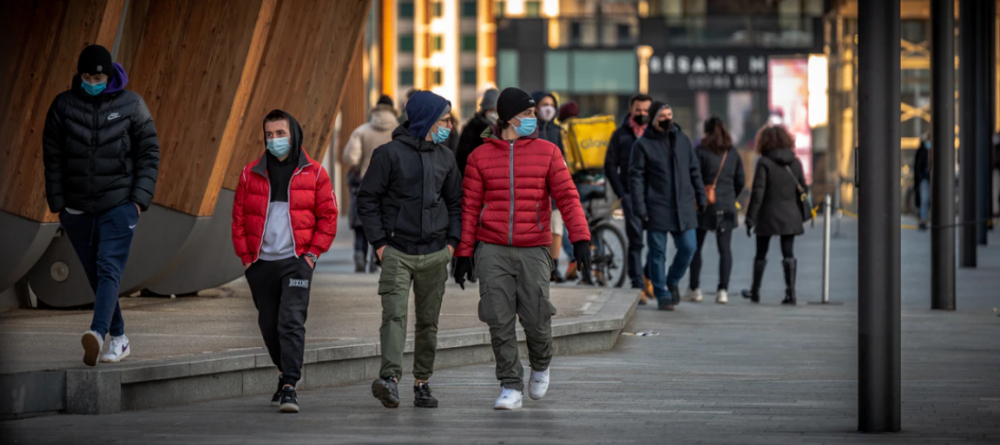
<point x="507" y="207"/>
<point x="284" y="218"/>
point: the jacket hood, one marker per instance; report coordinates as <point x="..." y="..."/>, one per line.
<point x="383" y="118"/>
<point x="783" y="156"/>
<point x="405" y="136"/>
<point x="422" y="111"/>
<point x="652" y="133"/>
<point x="538" y="96"/>
<point x="295" y="154"/>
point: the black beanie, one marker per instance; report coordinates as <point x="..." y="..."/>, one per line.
<point x="384" y="100"/>
<point x="95" y="59"/>
<point x="654" y="109"/>
<point x="513" y="101"/>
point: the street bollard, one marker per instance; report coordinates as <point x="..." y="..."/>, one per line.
<point x="836" y="205"/>
<point x="827" y="216"/>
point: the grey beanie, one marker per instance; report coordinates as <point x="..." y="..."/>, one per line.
<point x="489" y="101"/>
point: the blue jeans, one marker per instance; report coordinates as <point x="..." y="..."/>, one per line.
<point x="686" y="244"/>
<point x="102" y="242"/>
<point x="925" y="199"/>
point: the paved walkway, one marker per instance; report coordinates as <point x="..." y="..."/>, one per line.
<point x="715" y="374"/>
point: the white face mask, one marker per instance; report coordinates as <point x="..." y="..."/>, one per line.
<point x="492" y="117"/>
<point x="547" y="112"/>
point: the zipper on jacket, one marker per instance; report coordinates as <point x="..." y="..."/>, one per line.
<point x="266" y="209"/>
<point x="295" y="250"/>
<point x="510" y="226"/>
<point x="481" y="212"/>
<point x="538" y="217"/>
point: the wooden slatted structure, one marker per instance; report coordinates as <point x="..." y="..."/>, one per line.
<point x="42" y="41"/>
<point x="303" y="72"/>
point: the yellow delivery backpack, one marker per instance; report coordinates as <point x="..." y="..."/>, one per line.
<point x="586" y="142"/>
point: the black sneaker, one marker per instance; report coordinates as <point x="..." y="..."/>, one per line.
<point x="422" y="397"/>
<point x="276" y="398"/>
<point x="289" y="400"/>
<point x="385" y="391"/>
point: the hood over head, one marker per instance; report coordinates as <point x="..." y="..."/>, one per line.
<point x="423" y="110"/>
<point x="117" y="80"/>
<point x="538" y="96"/>
<point x="404" y="135"/>
<point x="783" y="156"/>
<point x="295" y="134"/>
<point x="384" y="118"/>
<point x="569" y="110"/>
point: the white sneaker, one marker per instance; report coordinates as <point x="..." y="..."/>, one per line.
<point x="722" y="297"/>
<point x="117" y="350"/>
<point x="509" y="399"/>
<point x="693" y="295"/>
<point x="538" y="384"/>
<point x="92" y="345"/>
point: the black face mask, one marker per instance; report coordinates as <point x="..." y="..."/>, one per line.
<point x="641" y="119"/>
<point x="665" y="124"/>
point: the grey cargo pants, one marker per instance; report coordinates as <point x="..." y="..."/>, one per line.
<point x="514" y="283"/>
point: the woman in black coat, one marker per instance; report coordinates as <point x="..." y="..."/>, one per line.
<point x="721" y="169"/>
<point x="775" y="209"/>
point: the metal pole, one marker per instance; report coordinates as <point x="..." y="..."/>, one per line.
<point x="984" y="121"/>
<point x="827" y="203"/>
<point x="840" y="213"/>
<point x="943" y="155"/>
<point x="967" y="131"/>
<point x="878" y="216"/>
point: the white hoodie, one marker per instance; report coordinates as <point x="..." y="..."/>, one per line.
<point x="369" y="136"/>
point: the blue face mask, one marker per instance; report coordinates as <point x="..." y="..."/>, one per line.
<point x="279" y="147"/>
<point x="441" y="135"/>
<point x="527" y="126"/>
<point x="93" y="89"/>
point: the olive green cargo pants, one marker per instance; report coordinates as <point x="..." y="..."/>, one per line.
<point x="428" y="274"/>
<point x="514" y="283"/>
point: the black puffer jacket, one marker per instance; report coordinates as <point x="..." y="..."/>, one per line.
<point x="666" y="183"/>
<point x="730" y="184"/>
<point x="410" y="197"/>
<point x="774" y="201"/>
<point x="99" y="151"/>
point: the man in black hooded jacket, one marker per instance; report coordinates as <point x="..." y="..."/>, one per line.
<point x="410" y="204"/>
<point x="101" y="157"/>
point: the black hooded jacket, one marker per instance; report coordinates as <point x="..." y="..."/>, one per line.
<point x="410" y="198"/>
<point x="666" y="182"/>
<point x="99" y="151"/>
<point x="617" y="157"/>
<point x="549" y="130"/>
<point x="472" y="138"/>
<point x="774" y="200"/>
<point x="279" y="173"/>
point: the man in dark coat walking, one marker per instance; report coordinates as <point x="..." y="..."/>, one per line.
<point x="616" y="170"/>
<point x="667" y="192"/>
<point x="102" y="158"/>
<point x="472" y="133"/>
<point x="409" y="203"/>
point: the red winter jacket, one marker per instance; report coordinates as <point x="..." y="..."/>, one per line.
<point x="506" y="195"/>
<point x="310" y="202"/>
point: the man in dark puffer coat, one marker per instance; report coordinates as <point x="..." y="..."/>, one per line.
<point x="101" y="158"/>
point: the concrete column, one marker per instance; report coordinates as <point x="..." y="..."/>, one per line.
<point x="878" y="217"/>
<point x="943" y="156"/>
<point x="966" y="130"/>
<point x="984" y="117"/>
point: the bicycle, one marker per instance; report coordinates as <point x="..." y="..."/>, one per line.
<point x="607" y="241"/>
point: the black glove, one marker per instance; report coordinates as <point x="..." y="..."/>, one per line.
<point x="463" y="268"/>
<point x="749" y="230"/>
<point x="642" y="216"/>
<point x="581" y="254"/>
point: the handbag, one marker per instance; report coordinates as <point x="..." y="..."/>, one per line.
<point x="710" y="189"/>
<point x="805" y="204"/>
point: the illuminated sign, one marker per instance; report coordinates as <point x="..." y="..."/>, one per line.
<point x="696" y="70"/>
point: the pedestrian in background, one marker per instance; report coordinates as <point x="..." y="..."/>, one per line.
<point x="472" y="133"/>
<point x="101" y="157"/>
<point x="409" y="203"/>
<point x="775" y="207"/>
<point x="668" y="193"/>
<point x="720" y="161"/>
<point x="616" y="163"/>
<point x="560" y="236"/>
<point x="358" y="154"/>
<point x="284" y="218"/>
<point x="922" y="180"/>
<point x="508" y="186"/>
<point x="548" y="130"/>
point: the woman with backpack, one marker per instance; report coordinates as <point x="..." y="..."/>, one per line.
<point x="777" y="206"/>
<point x="720" y="162"/>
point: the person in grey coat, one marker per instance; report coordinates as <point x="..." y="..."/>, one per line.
<point x="775" y="209"/>
<point x="721" y="164"/>
<point x="667" y="194"/>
